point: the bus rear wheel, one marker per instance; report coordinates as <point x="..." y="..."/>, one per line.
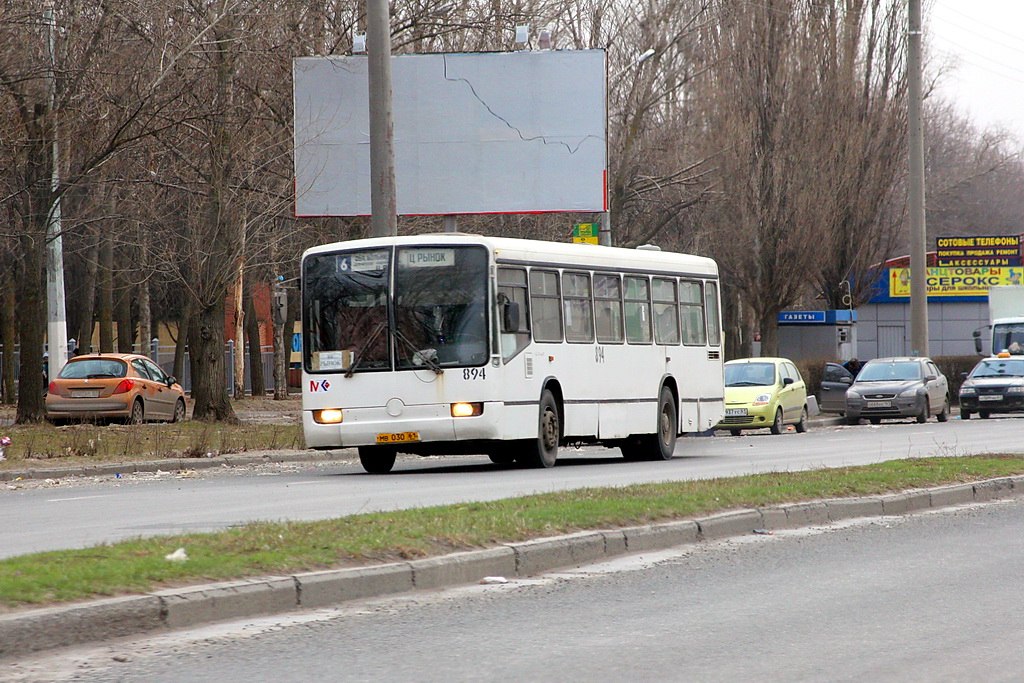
<point x="543" y="451"/>
<point x="377" y="459"/>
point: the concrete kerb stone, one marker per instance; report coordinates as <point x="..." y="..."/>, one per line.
<point x="807" y="514"/>
<point x="335" y="586"/>
<point x="660" y="536"/>
<point x="948" y="496"/>
<point x="993" y="489"/>
<point x="854" y="508"/>
<point x="54" y="627"/>
<point x="774" y="518"/>
<point x="904" y="503"/>
<point x="228" y="600"/>
<point x="166" y="465"/>
<point x="466" y="567"/>
<point x="737" y="523"/>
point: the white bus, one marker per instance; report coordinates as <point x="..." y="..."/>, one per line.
<point x="455" y="343"/>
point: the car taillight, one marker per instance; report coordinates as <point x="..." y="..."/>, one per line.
<point x="52" y="389"/>
<point x="124" y="386"/>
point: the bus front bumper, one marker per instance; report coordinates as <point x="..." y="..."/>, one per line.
<point x="416" y="424"/>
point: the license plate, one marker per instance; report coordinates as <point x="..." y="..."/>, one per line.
<point x="85" y="393"/>
<point x="735" y="412"/>
<point x="879" y="404"/>
<point x="992" y="397"/>
<point x="398" y="437"/>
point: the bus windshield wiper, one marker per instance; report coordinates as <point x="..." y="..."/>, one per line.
<point x="362" y="349"/>
<point x="427" y="360"/>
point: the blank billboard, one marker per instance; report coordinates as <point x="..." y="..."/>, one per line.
<point x="509" y="132"/>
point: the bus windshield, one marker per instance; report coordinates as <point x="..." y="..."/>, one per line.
<point x="440" y="306"/>
<point x="439" y="315"/>
<point x="346" y="311"/>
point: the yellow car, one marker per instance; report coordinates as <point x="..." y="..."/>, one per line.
<point x="763" y="392"/>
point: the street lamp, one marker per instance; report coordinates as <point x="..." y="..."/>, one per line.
<point x="56" y="316"/>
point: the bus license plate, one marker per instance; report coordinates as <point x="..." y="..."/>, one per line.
<point x="879" y="404"/>
<point x="398" y="437"/>
<point x="735" y="412"/>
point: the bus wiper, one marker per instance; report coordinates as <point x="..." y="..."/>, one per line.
<point x="362" y="349"/>
<point x="424" y="358"/>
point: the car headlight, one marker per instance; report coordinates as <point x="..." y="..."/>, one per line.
<point x="1015" y="390"/>
<point x="969" y="391"/>
<point x="912" y="392"/>
<point x="762" y="399"/>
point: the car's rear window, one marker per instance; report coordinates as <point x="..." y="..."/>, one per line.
<point x="91" y="368"/>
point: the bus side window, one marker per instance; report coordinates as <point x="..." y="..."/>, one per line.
<point x="638" y="310"/>
<point x="666" y="312"/>
<point x="546" y="306"/>
<point x="579" y="312"/>
<point x="691" y="309"/>
<point x="608" y="308"/>
<point x="512" y="292"/>
<point x="714" y="321"/>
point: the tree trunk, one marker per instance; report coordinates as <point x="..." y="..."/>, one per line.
<point x="206" y="356"/>
<point x="145" y="319"/>
<point x="281" y="353"/>
<point x="106" y="281"/>
<point x="8" y="336"/>
<point x="88" y="303"/>
<point x="145" y="310"/>
<point x="239" y="304"/>
<point x="181" y="343"/>
<point x="125" y="326"/>
<point x="768" y="323"/>
<point x="31" y="295"/>
<point x="252" y="334"/>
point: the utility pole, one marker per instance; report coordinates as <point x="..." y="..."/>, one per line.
<point x="56" y="316"/>
<point x="383" y="206"/>
<point x="915" y="194"/>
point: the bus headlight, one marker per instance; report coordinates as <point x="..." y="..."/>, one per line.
<point x="467" y="409"/>
<point x="328" y="416"/>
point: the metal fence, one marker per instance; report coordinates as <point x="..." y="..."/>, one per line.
<point x="164" y="357"/>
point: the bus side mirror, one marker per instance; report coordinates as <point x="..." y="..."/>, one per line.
<point x="977" y="340"/>
<point x="510" y="317"/>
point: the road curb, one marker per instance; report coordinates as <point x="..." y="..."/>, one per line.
<point x="67" y="625"/>
<point x="175" y="464"/>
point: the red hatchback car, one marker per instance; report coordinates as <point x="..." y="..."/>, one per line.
<point x="122" y="386"/>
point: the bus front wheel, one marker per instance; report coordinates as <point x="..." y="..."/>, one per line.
<point x="662" y="444"/>
<point x="377" y="459"/>
<point x="543" y="451"/>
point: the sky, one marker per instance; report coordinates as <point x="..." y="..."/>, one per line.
<point x="983" y="42"/>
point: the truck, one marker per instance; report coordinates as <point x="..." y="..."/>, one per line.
<point x="1006" y="320"/>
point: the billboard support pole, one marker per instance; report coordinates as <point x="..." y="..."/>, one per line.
<point x="383" y="206"/>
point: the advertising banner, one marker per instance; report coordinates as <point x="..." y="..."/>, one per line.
<point x="955" y="282"/>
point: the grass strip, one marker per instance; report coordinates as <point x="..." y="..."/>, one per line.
<point x="287" y="547"/>
<point x="86" y="444"/>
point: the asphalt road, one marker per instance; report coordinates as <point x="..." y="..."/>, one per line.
<point x="925" y="597"/>
<point x="82" y="513"/>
